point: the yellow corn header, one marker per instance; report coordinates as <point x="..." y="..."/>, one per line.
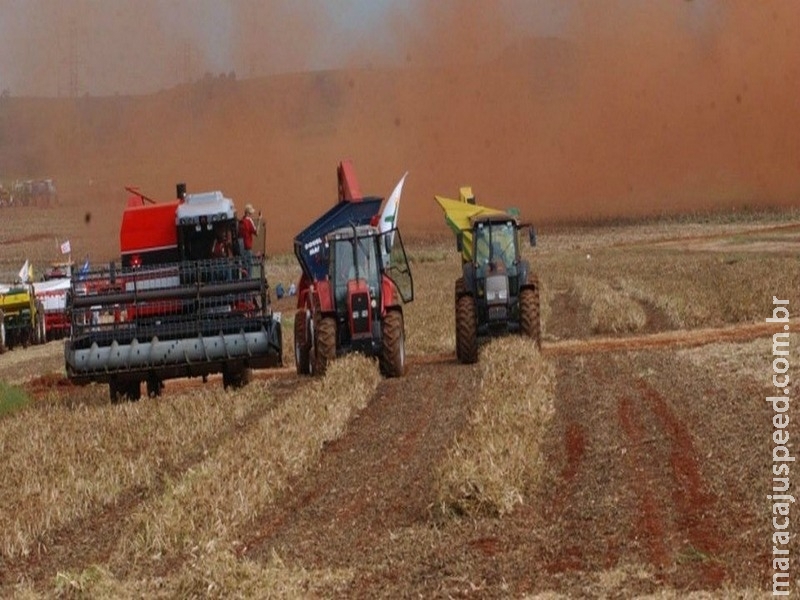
<point x="459" y="215"/>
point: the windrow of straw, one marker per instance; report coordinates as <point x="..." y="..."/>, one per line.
<point x="61" y="464"/>
<point x="495" y="462"/>
<point x="215" y="502"/>
<point x="610" y="311"/>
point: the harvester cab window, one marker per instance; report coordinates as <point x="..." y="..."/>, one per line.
<point x="196" y="241"/>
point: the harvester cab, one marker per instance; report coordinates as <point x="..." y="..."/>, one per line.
<point x="355" y="279"/>
<point x="497" y="292"/>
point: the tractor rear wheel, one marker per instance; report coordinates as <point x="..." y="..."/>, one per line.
<point x="529" y="321"/>
<point x="325" y="344"/>
<point x="393" y="352"/>
<point x="302" y="343"/>
<point x="466" y="330"/>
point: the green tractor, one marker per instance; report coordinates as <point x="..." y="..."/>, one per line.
<point x="497" y="293"/>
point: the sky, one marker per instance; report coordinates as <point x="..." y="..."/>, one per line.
<point x="106" y="47"/>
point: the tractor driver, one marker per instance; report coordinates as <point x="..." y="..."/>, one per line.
<point x="222" y="245"/>
<point x="502" y="244"/>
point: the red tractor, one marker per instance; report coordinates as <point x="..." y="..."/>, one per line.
<point x="355" y="280"/>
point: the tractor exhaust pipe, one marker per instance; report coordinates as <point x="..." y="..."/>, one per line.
<point x="180" y="191"/>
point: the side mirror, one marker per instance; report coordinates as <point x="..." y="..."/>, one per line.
<point x="532" y="236"/>
<point x="460" y="242"/>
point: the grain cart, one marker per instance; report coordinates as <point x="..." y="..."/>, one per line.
<point x="497" y="292"/>
<point x="171" y="309"/>
<point x="23" y="317"/>
<point x="354" y="283"/>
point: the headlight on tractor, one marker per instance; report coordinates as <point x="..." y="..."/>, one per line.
<point x="492" y="295"/>
<point x="497" y="289"/>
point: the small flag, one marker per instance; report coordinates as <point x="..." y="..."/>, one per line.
<point x="84" y="270"/>
<point x="65" y="247"/>
<point x="25" y="272"/>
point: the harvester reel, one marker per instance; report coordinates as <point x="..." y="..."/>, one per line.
<point x="393" y="353"/>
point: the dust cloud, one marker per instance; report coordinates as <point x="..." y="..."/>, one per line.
<point x="625" y="108"/>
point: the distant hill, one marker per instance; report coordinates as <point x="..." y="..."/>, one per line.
<point x="549" y="127"/>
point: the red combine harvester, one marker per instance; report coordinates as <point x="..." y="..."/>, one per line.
<point x="173" y="309"/>
<point x="354" y="283"/>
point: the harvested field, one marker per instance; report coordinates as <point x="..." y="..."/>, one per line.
<point x="618" y="461"/>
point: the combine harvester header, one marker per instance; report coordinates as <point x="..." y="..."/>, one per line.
<point x="460" y="214"/>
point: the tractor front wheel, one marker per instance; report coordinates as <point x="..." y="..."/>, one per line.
<point x="393" y="352"/>
<point x="466" y="330"/>
<point x="302" y="343"/>
<point x="529" y="321"/>
<point x="324" y="344"/>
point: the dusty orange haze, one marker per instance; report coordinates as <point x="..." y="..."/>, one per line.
<point x="636" y="113"/>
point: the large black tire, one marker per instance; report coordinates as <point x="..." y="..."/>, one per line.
<point x="235" y="378"/>
<point x="466" y="330"/>
<point x="154" y="386"/>
<point x="460" y="287"/>
<point x="392" y="359"/>
<point x="324" y="345"/>
<point x="125" y="391"/>
<point x="529" y="321"/>
<point x="3" y="347"/>
<point x="302" y="343"/>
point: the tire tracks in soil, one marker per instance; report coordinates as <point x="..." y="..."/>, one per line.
<point x="682" y="338"/>
<point x="679" y="338"/>
<point x="91" y="539"/>
<point x="624" y="481"/>
<point x="377" y="477"/>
